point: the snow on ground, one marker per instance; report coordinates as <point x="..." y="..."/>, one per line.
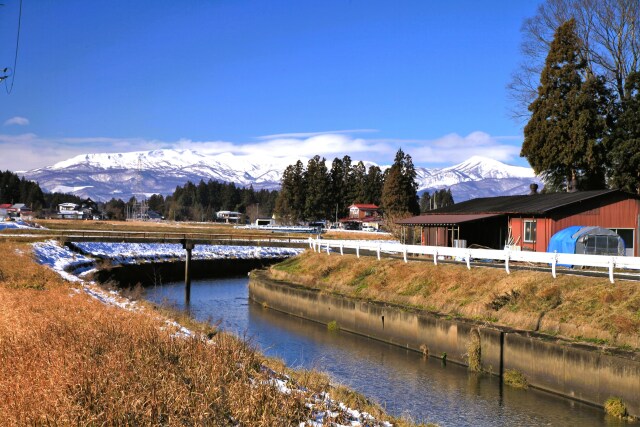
<point x="5" y="225"/>
<point x="325" y="411"/>
<point x="60" y="259"/>
<point x="134" y="253"/>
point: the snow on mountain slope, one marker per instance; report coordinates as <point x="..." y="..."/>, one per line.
<point x="477" y="177"/>
<point x="103" y="176"/>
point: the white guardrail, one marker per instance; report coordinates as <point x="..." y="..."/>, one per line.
<point x="466" y="255"/>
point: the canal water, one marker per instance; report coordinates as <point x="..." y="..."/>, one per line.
<point x="402" y="381"/>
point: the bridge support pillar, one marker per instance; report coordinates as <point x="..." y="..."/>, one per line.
<point x="188" y="247"/>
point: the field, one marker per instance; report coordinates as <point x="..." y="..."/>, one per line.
<point x="575" y="307"/>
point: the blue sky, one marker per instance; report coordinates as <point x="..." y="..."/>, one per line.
<point x="330" y="77"/>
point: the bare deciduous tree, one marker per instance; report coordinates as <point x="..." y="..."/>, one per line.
<point x="610" y="35"/>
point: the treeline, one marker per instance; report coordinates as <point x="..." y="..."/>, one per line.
<point x="14" y="189"/>
<point x="200" y="202"/>
<point x="316" y="192"/>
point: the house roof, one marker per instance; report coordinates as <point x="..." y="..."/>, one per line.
<point x="359" y="220"/>
<point x="363" y="206"/>
<point x="444" y="219"/>
<point x="530" y="204"/>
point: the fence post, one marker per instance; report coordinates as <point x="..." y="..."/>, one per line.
<point x="327" y="248"/>
<point x="358" y="250"/>
<point x="435" y="257"/>
<point x="405" y="253"/>
<point x="468" y="259"/>
<point x="341" y="251"/>
<point x="553" y="265"/>
<point x="611" y="264"/>
<point x="378" y="251"/>
<point x="506" y="261"/>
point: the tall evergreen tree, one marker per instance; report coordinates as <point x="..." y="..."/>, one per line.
<point x="399" y="193"/>
<point x="442" y="198"/>
<point x="336" y="175"/>
<point x="359" y="190"/>
<point x="291" y="200"/>
<point x="317" y="184"/>
<point x="624" y="143"/>
<point x="425" y="202"/>
<point x="568" y="118"/>
<point x="373" y="185"/>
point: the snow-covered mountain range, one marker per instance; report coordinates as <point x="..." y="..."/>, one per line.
<point x="107" y="175"/>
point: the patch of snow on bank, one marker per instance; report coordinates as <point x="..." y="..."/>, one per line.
<point x="60" y="258"/>
<point x="5" y="225"/>
<point x="133" y="253"/>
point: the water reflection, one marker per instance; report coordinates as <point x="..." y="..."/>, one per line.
<point x="401" y="380"/>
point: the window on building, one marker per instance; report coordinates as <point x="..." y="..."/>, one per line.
<point x="530" y="231"/>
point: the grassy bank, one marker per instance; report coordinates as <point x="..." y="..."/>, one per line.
<point x="66" y="358"/>
<point x="581" y="308"/>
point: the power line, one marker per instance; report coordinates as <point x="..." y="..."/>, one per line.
<point x="15" y="58"/>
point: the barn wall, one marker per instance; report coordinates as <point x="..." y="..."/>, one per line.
<point x="542" y="233"/>
<point x="620" y="214"/>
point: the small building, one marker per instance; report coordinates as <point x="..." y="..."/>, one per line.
<point x="21" y="210"/>
<point x="4" y="210"/>
<point x="69" y="211"/>
<point x="229" y="216"/>
<point x="362" y="215"/>
<point x="261" y="222"/>
<point x="528" y="222"/>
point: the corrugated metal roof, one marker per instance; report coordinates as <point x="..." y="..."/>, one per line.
<point x="530" y="204"/>
<point x="443" y="219"/>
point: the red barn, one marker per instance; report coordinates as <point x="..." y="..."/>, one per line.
<point x="528" y="222"/>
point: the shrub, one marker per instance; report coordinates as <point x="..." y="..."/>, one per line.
<point x="615" y="407"/>
<point x="515" y="378"/>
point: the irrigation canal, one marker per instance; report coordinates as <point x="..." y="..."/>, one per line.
<point x="402" y="381"/>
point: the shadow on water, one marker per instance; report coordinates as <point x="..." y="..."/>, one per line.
<point x="401" y="380"/>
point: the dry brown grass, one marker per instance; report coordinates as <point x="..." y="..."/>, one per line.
<point x="585" y="308"/>
<point x="66" y="359"/>
<point x="363" y="235"/>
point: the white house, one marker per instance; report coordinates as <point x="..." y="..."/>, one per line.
<point x="69" y="211"/>
<point x="229" y="216"/>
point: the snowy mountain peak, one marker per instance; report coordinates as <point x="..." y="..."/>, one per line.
<point x="479" y="167"/>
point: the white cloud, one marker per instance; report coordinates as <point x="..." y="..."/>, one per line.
<point x="29" y="151"/>
<point x="453" y="148"/>
<point x="17" y="120"/>
<point x="309" y="134"/>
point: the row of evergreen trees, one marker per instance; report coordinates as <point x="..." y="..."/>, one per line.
<point x="316" y="192"/>
<point x="200" y="202"/>
<point x="582" y="134"/>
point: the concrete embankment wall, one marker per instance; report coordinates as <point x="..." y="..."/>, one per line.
<point x="581" y="372"/>
<point x="157" y="273"/>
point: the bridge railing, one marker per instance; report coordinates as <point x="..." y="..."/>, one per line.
<point x="174" y="236"/>
<point x="552" y="259"/>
